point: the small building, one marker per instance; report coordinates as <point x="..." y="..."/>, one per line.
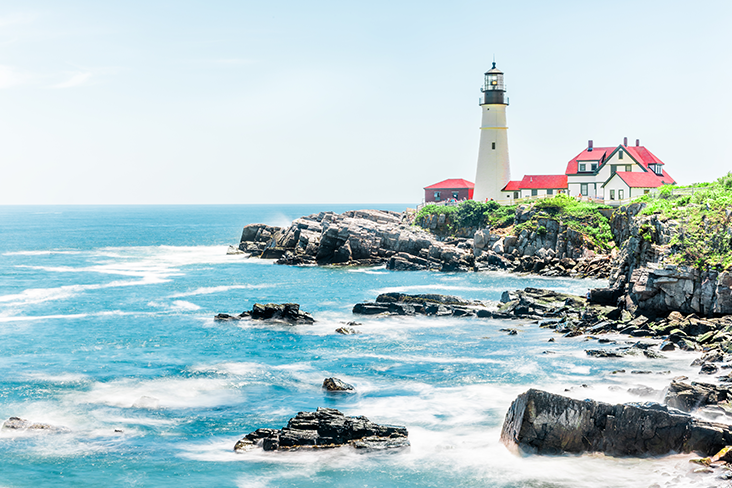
<point x="455" y="188"/>
<point x="535" y="186"/>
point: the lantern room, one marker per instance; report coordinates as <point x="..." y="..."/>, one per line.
<point x="494" y="88"/>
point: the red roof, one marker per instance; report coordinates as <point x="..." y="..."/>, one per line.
<point x="512" y="186"/>
<point x="640" y="180"/>
<point x="639" y="153"/>
<point x="541" y="182"/>
<point x="452" y="184"/>
<point x="597" y="154"/>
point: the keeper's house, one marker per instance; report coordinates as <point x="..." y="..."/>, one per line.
<point x="446" y="190"/>
<point x="611" y="174"/>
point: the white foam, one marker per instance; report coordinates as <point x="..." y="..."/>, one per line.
<point x="208" y="290"/>
<point x="170" y="392"/>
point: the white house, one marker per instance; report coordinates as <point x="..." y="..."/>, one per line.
<point x="592" y="173"/>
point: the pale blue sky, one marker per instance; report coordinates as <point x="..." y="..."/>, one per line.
<point x="343" y="102"/>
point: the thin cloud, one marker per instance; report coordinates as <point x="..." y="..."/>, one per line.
<point x="78" y="79"/>
<point x="17" y="18"/>
<point x="10" y="77"/>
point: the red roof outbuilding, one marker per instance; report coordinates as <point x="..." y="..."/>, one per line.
<point x="451" y="184"/>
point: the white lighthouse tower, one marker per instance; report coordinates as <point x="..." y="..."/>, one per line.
<point x="494" y="170"/>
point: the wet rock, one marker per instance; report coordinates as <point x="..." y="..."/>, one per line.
<point x="347" y="330"/>
<point x="288" y="313"/>
<point x="335" y="384"/>
<point x="688" y="397"/>
<point x="603" y="353"/>
<point x="326" y="428"/>
<point x="426" y="304"/>
<point x="18" y="424"/>
<point x="546" y="423"/>
<point x="147" y="402"/>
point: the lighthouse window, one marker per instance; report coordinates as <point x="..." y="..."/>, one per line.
<point x="493" y="145"/>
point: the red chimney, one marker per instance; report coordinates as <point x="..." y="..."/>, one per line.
<point x="637" y="142"/>
<point x="625" y="141"/>
<point x="589" y="145"/>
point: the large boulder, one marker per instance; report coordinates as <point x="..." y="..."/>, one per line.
<point x="546" y="423"/>
<point x="326" y="428"/>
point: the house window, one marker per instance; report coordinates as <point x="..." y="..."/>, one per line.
<point x="583" y="167"/>
<point x="612" y="194"/>
<point x="620" y="155"/>
<point x="628" y="168"/>
<point x="515" y="194"/>
<point x="493" y="145"/>
<point x="621" y="194"/>
<point x="646" y="191"/>
<point x="455" y="195"/>
<point x="613" y="170"/>
<point x="550" y="192"/>
<point x="534" y="193"/>
<point x="437" y="196"/>
<point x="593" y="166"/>
<point x="583" y="189"/>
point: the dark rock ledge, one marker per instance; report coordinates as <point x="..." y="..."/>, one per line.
<point x="326" y="428"/>
<point x="428" y="304"/>
<point x="545" y="423"/>
<point x="289" y="313"/>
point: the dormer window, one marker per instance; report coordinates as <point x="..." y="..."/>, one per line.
<point x="656" y="168"/>
<point x="583" y="167"/>
<point x="593" y="166"/>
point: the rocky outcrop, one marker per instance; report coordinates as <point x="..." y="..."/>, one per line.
<point x="357" y="238"/>
<point x="338" y="385"/>
<point x="546" y="423"/>
<point x="326" y="428"/>
<point x="18" y="424"/>
<point x="288" y="313"/>
<point x="429" y="304"/>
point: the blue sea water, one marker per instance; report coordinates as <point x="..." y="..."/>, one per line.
<point x="106" y="330"/>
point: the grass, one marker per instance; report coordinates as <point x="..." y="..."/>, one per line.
<point x="705" y="236"/>
<point x="583" y="217"/>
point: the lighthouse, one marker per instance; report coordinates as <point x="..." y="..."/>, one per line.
<point x="494" y="170"/>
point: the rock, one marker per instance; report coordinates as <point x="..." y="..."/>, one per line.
<point x="147" y="402"/>
<point x="603" y="353"/>
<point x="688" y="397"/>
<point x="326" y="428"/>
<point x="427" y="304"/>
<point x="335" y="384"/>
<point x="347" y="330"/>
<point x="288" y="313"/>
<point x="546" y="423"/>
<point x="22" y="425"/>
<point x="708" y="368"/>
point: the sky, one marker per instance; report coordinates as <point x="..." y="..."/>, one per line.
<point x="228" y="102"/>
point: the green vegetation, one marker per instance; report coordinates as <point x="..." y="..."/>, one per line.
<point x="703" y="212"/>
<point x="584" y="217"/>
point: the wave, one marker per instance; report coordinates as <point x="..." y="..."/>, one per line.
<point x="209" y="290"/>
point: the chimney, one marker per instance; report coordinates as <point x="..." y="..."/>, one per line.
<point x="637" y="142"/>
<point x="625" y="141"/>
<point x="589" y="145"/>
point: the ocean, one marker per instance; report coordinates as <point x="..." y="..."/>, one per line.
<point x="107" y="330"/>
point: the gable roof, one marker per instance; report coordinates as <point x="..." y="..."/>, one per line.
<point x="512" y="186"/>
<point x="541" y="182"/>
<point x="639" y="154"/>
<point x="639" y="180"/>
<point x="451" y="184"/>
<point x="597" y="154"/>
